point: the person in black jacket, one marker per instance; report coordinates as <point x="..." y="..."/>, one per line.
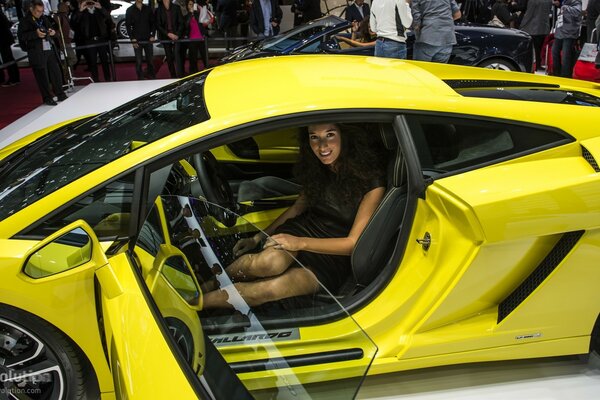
<point x="269" y="10"/>
<point x="94" y="25"/>
<point x="36" y="33"/>
<point x="357" y="11"/>
<point x="169" y="24"/>
<point x="6" y="39"/>
<point x="310" y="9"/>
<point x="139" y="21"/>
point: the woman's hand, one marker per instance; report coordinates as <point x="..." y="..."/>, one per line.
<point x="283" y="241"/>
<point x="245" y="245"/>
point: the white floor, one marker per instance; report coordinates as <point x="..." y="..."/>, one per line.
<point x="564" y="378"/>
<point x="560" y="378"/>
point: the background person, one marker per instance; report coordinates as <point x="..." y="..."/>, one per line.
<point x="169" y="24"/>
<point x="391" y="36"/>
<point x="433" y="22"/>
<point x="95" y="26"/>
<point x="139" y="21"/>
<point x="36" y="33"/>
<point x="357" y="11"/>
<point x="6" y="39"/>
<point x="342" y="178"/>
<point x="537" y="24"/>
<point x="265" y="17"/>
<point x="193" y="32"/>
<point x="568" y="24"/>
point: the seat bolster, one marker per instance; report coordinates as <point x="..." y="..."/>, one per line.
<point x="372" y="248"/>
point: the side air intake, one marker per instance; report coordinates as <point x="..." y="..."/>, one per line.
<point x="545" y="268"/>
<point x="483" y="83"/>
<point x="590" y="158"/>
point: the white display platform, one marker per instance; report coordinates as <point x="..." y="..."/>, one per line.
<point x="91" y="99"/>
<point x="558" y="378"/>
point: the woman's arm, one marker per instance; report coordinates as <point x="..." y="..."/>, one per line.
<point x="247" y="244"/>
<point x="354" y="43"/>
<point x="335" y="246"/>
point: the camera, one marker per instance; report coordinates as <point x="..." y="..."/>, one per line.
<point x="90" y="3"/>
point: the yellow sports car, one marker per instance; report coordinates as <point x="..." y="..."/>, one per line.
<point x="485" y="247"/>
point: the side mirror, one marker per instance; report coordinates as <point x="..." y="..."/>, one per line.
<point x="68" y="251"/>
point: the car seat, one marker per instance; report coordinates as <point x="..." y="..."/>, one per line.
<point x="377" y="241"/>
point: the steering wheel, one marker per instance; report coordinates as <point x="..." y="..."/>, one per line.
<point x="215" y="187"/>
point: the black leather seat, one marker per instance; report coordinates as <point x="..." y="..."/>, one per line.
<point x="376" y="243"/>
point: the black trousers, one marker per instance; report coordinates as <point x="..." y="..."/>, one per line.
<point x="148" y="50"/>
<point x="48" y="73"/>
<point x="193" y="48"/>
<point x="99" y="51"/>
<point x="13" y="70"/>
<point x="172" y="53"/>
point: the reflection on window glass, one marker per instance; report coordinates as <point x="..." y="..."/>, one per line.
<point x="299" y="35"/>
<point x="262" y="345"/>
<point x="68" y="154"/>
<point x="106" y="210"/>
<point x="449" y="144"/>
<point x="150" y="237"/>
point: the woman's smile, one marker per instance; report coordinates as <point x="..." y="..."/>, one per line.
<point x="325" y="142"/>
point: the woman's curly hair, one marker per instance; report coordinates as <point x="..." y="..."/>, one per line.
<point x="361" y="160"/>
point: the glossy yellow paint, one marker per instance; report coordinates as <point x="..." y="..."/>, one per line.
<point x="489" y="227"/>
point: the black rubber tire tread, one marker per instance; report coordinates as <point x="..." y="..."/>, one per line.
<point x="70" y="358"/>
<point x="497" y="60"/>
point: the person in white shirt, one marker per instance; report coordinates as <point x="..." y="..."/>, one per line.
<point x="389" y="20"/>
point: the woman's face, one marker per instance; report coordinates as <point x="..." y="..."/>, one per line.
<point x="326" y="142"/>
<point x="190" y="5"/>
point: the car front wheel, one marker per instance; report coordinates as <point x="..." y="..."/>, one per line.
<point x="498" y="63"/>
<point x="38" y="361"/>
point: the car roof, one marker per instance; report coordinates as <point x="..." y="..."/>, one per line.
<point x="314" y="82"/>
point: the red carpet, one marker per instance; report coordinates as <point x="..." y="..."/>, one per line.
<point x="17" y="101"/>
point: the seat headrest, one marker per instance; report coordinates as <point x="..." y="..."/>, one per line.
<point x="388" y="136"/>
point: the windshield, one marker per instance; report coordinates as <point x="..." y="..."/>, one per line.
<point x="274" y="349"/>
<point x="67" y="154"/>
<point x="299" y="35"/>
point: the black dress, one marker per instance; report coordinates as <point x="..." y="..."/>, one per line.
<point x="329" y="218"/>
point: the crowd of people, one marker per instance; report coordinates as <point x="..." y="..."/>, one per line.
<point x="182" y="25"/>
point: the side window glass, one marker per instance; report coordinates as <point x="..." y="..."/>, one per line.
<point x="449" y="144"/>
<point x="106" y="210"/>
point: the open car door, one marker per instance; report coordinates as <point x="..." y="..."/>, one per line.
<point x="277" y="350"/>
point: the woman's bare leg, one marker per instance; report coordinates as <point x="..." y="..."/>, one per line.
<point x="293" y="282"/>
<point x="267" y="263"/>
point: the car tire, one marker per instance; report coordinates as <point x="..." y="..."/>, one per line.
<point x="122" y="30"/>
<point x="183" y="338"/>
<point x="39" y="361"/>
<point x="498" y="63"/>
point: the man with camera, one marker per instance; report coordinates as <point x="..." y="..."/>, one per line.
<point x="36" y="35"/>
<point x="94" y="25"/>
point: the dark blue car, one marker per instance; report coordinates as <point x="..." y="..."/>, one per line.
<point x="478" y="45"/>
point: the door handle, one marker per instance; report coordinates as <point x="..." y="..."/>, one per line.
<point x="425" y="242"/>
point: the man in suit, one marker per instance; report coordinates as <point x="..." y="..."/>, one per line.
<point x="357" y="11"/>
<point x="169" y="24"/>
<point x="265" y="17"/>
<point x="36" y="33"/>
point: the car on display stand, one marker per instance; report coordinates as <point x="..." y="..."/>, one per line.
<point x="477" y="45"/>
<point x="485" y="246"/>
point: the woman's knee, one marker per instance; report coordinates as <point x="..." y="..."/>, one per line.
<point x="270" y="263"/>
